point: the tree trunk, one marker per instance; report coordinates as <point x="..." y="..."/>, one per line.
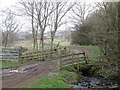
<point x="41" y="43"/>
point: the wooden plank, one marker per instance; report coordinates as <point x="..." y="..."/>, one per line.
<point x="36" y="51"/>
<point x="10" y="51"/>
<point x="9" y="57"/>
<point x="8" y="54"/>
<point x="27" y="53"/>
<point x="36" y="54"/>
<point x="7" y="47"/>
<point x="33" y="57"/>
<point x="16" y="60"/>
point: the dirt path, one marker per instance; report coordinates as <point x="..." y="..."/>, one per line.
<point x="17" y="77"/>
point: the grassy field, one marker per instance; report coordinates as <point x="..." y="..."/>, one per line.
<point x="63" y="42"/>
<point x="55" y="81"/>
<point x="96" y="49"/>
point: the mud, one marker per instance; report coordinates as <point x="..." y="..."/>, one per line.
<point x="21" y="76"/>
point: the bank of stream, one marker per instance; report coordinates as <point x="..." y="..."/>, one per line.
<point x="89" y="80"/>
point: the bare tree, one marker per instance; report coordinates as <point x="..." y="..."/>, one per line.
<point x="81" y="11"/>
<point x="61" y="9"/>
<point x="43" y="13"/>
<point x="39" y="12"/>
<point x="9" y="26"/>
<point x="28" y="9"/>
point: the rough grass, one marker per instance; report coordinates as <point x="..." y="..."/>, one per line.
<point x="95" y="59"/>
<point x="8" y="64"/>
<point x="96" y="49"/>
<point x="49" y="82"/>
<point x="55" y="81"/>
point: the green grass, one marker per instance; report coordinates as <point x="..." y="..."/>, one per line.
<point x="49" y="82"/>
<point x="55" y="81"/>
<point x="7" y="64"/>
<point x="96" y="49"/>
<point x="63" y="42"/>
<point x="93" y="58"/>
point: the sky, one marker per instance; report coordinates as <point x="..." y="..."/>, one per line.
<point x="9" y="3"/>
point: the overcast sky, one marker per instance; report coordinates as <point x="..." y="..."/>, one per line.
<point x="8" y="3"/>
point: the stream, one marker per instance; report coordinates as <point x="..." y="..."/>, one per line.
<point x="87" y="83"/>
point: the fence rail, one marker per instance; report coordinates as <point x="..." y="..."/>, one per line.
<point x="9" y="53"/>
<point x="72" y="59"/>
<point x="41" y="55"/>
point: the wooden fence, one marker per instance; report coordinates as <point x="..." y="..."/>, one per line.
<point x="73" y="59"/>
<point x="9" y="53"/>
<point x="41" y="55"/>
<point x="15" y="54"/>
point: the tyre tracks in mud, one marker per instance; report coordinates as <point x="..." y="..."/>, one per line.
<point x="29" y="74"/>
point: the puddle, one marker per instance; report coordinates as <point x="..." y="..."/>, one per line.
<point x="17" y="71"/>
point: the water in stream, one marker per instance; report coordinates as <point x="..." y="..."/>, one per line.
<point x="92" y="82"/>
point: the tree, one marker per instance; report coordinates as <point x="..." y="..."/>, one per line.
<point x="61" y="9"/>
<point x="28" y="9"/>
<point x="105" y="33"/>
<point x="81" y="11"/>
<point x="9" y="27"/>
<point x="108" y="28"/>
<point x="80" y="35"/>
<point x="43" y="13"/>
<point x="103" y="26"/>
<point x="39" y="12"/>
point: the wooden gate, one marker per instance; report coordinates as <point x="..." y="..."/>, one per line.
<point x="9" y="54"/>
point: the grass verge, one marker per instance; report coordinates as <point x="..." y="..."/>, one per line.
<point x="7" y="64"/>
<point x="10" y="64"/>
<point x="61" y="80"/>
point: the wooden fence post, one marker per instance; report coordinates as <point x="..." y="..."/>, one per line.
<point x="59" y="59"/>
<point x="19" y="55"/>
<point x="85" y="57"/>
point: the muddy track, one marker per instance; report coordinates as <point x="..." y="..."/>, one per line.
<point x="26" y="74"/>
